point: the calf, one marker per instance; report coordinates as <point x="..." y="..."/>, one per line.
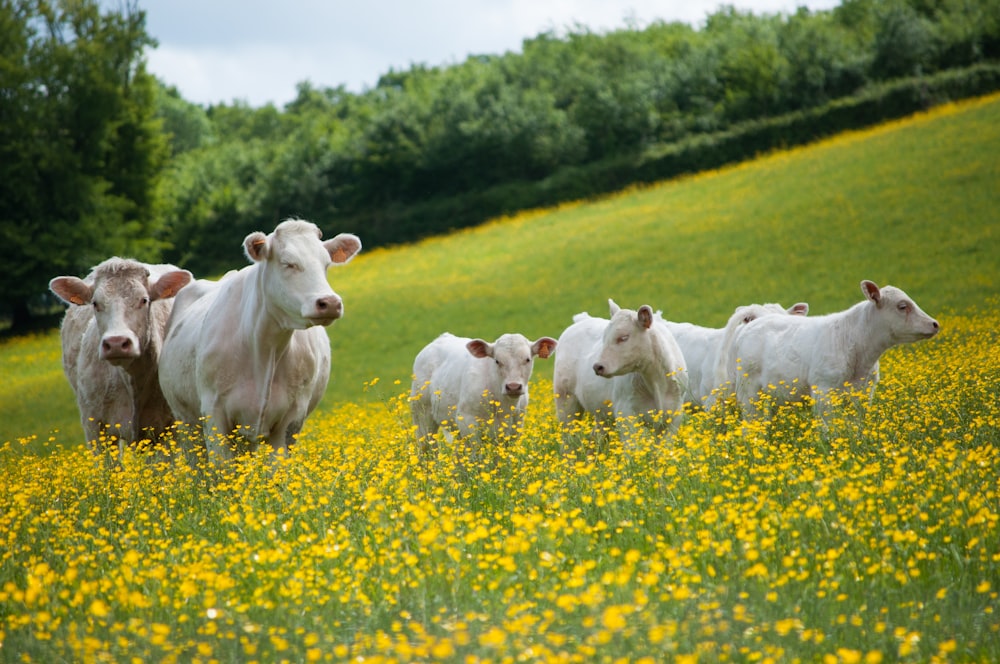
<point x="249" y="352"/>
<point x="628" y="366"/>
<point x="706" y="349"/>
<point x="111" y="337"/>
<point x="466" y="383"/>
<point x="793" y="357"/>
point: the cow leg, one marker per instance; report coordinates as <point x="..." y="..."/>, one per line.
<point x="568" y="408"/>
<point x="218" y="432"/>
<point x="282" y="437"/>
<point x="423" y="417"/>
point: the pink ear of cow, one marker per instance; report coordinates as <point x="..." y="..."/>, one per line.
<point x="343" y="247"/>
<point x="168" y="284"/>
<point x="871" y="291"/>
<point x="71" y="290"/>
<point x="255" y="246"/>
<point x="799" y="309"/>
<point x="544" y="347"/>
<point x="479" y="348"/>
<point x="645" y="316"/>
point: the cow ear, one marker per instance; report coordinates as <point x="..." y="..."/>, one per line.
<point x="255" y="246"/>
<point x="871" y="291"/>
<point x="645" y="315"/>
<point x="613" y="306"/>
<point x="343" y="247"/>
<point x="168" y="284"/>
<point x="543" y="347"/>
<point x="799" y="309"/>
<point x="479" y="348"/>
<point x="72" y="290"/>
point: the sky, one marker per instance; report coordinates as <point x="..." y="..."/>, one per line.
<point x="258" y="51"/>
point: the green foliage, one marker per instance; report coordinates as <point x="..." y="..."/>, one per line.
<point x="79" y="146"/>
<point x="186" y="125"/>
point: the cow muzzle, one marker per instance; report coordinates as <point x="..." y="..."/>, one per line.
<point x="513" y="389"/>
<point x="325" y="310"/>
<point x="119" y="349"/>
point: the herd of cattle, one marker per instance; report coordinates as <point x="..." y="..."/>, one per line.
<point x="147" y="346"/>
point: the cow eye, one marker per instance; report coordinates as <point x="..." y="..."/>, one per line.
<point x="623" y="338"/>
<point x="903" y="306"/>
<point x="290" y="266"/>
<point x="97" y="305"/>
<point x="144" y="301"/>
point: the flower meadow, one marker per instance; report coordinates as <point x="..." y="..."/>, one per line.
<point x="870" y="536"/>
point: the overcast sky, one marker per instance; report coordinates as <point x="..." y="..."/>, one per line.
<point x="257" y="51"/>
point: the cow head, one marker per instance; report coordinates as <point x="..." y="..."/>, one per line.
<point x="293" y="261"/>
<point x="898" y="314"/>
<point x="120" y="291"/>
<point x="515" y="357"/>
<point x="751" y="312"/>
<point x="626" y="343"/>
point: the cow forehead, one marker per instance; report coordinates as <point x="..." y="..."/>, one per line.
<point x="299" y="246"/>
<point x="769" y="308"/>
<point x="512" y="345"/>
<point x="893" y="293"/>
<point x="120" y="278"/>
<point x="622" y="321"/>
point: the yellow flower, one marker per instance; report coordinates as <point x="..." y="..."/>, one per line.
<point x="99" y="608"/>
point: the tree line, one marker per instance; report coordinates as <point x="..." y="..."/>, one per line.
<point x="99" y="157"/>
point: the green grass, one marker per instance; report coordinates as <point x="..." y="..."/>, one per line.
<point x="913" y="203"/>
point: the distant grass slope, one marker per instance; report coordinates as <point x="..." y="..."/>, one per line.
<point x="913" y="203"/>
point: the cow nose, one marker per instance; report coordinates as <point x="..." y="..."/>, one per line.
<point x="116" y="346"/>
<point x="599" y="369"/>
<point x="330" y="306"/>
<point x="513" y="389"/>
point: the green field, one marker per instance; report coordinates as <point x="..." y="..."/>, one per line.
<point x="873" y="536"/>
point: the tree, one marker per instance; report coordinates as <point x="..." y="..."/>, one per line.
<point x="185" y="123"/>
<point x="80" y="149"/>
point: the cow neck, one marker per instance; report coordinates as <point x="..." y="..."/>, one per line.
<point x="268" y="340"/>
<point x="141" y="378"/>
<point x="653" y="377"/>
<point x="857" y="339"/>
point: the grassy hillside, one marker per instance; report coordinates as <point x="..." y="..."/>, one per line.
<point x="912" y="203"/>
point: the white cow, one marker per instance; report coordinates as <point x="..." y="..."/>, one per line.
<point x="111" y="337"/>
<point x="793" y="357"/>
<point x="628" y="366"/>
<point x="465" y="383"/>
<point x="706" y="349"/>
<point x="249" y="352"/>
